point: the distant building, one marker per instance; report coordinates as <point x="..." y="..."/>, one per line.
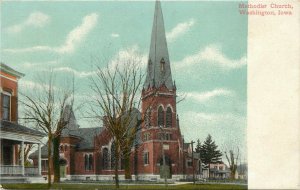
<point x="87" y="153"/>
<point x="217" y="170"/>
<point x="13" y="136"/>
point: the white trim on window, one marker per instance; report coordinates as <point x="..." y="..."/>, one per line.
<point x="10" y="95"/>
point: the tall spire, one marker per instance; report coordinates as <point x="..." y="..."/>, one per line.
<point x="159" y="70"/>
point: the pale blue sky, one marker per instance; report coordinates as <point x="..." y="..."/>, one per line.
<point x="207" y="44"/>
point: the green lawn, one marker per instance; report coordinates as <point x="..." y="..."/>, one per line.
<point x="140" y="187"/>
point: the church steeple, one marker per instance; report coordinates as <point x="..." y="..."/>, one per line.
<point x="159" y="70"/>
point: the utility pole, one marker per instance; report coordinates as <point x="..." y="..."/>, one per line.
<point x="192" y="143"/>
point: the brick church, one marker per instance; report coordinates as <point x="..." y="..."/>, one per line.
<point x="87" y="153"/>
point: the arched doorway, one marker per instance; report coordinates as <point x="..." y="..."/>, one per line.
<point x="62" y="165"/>
<point x="167" y="169"/>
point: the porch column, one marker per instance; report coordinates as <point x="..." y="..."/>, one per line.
<point x="39" y="160"/>
<point x="22" y="158"/>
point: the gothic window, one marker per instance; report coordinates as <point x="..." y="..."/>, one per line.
<point x="146" y="158"/>
<point x="150" y="65"/>
<point x="160" y="116"/>
<point x="146" y="136"/>
<point x="90" y="162"/>
<point x="169" y="117"/>
<point x="148" y="118"/>
<point x="122" y="164"/>
<point x="168" y="136"/>
<point x="112" y="155"/>
<point x="162" y="65"/>
<point x="86" y="162"/>
<point x="6" y="106"/>
<point x="163" y="136"/>
<point x="105" y="158"/>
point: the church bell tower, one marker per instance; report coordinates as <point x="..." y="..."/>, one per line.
<point x="161" y="137"/>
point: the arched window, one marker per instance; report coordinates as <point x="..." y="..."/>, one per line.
<point x="86" y="162"/>
<point x="148" y="118"/>
<point x="162" y="64"/>
<point x="160" y="116"/>
<point x="66" y="147"/>
<point x="90" y="162"/>
<point x="61" y="148"/>
<point x="150" y="65"/>
<point x="169" y="117"/>
<point x="122" y="163"/>
<point x="105" y="158"/>
<point x="112" y="155"/>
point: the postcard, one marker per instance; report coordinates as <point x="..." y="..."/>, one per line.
<point x="172" y="94"/>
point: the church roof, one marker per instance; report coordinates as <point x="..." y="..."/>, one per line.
<point x="87" y="135"/>
<point x="72" y="129"/>
<point x="159" y="70"/>
<point x="87" y="141"/>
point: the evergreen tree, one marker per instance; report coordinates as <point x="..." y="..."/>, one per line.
<point x="209" y="152"/>
<point x="198" y="146"/>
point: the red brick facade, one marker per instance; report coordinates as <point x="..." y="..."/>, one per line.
<point x="152" y="99"/>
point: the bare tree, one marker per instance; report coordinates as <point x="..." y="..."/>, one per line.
<point x="117" y="95"/>
<point x="44" y="106"/>
<point x="232" y="157"/>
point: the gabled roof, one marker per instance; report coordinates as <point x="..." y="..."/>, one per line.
<point x="87" y="137"/>
<point x="14" y="127"/>
<point x="87" y="141"/>
<point x="156" y="76"/>
<point x="5" y="68"/>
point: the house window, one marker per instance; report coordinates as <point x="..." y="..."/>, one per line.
<point x="146" y="158"/>
<point x="189" y="163"/>
<point x="148" y="118"/>
<point x="44" y="165"/>
<point x="105" y="158"/>
<point x="6" y="101"/>
<point x="160" y="116"/>
<point x="169" y="117"/>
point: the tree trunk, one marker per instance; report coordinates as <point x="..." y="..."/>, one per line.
<point x="49" y="158"/>
<point x="232" y="172"/>
<point x="127" y="166"/>
<point x="208" y="170"/>
<point x="117" y="154"/>
<point x="136" y="162"/>
<point x="56" y="168"/>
